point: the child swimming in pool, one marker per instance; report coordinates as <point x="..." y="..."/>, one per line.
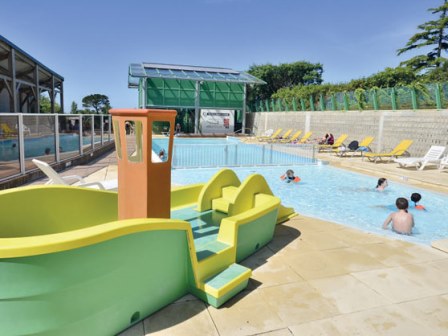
<point x="289" y="177"/>
<point x="416" y="197"/>
<point x="382" y="184"/>
<point x="402" y="221"/>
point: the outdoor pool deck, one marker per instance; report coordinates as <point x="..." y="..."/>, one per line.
<point x="321" y="278"/>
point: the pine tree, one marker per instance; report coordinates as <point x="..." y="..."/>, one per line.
<point x="433" y="33"/>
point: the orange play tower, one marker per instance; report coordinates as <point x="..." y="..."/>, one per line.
<point x="144" y="177"/>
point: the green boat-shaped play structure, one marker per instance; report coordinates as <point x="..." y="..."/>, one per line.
<point x="70" y="266"/>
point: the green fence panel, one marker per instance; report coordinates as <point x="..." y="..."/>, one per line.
<point x="294" y="104"/>
<point x="438" y="97"/>
<point x="414" y="99"/>
<point x="321" y="102"/>
<point x="404" y="97"/>
<point x="346" y="101"/>
<point x="312" y="103"/>
<point x="302" y="104"/>
<point x="444" y="92"/>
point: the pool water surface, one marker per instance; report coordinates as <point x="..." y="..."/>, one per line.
<point x="343" y="197"/>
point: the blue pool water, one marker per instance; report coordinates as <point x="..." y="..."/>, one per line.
<point x="229" y="152"/>
<point x="343" y="197"/>
<point x="9" y="149"/>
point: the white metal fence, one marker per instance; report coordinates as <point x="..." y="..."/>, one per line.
<point x="241" y="154"/>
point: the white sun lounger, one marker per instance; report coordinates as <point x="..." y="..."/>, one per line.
<point x="432" y="156"/>
<point x="55" y="178"/>
<point x="443" y="163"/>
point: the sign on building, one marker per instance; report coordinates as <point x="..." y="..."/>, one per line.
<point x="217" y="121"/>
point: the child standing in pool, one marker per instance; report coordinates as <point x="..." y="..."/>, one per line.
<point x="402" y="221"/>
<point x="416" y="197"/>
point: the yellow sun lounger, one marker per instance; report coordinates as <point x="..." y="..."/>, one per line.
<point x="284" y="136"/>
<point x="294" y="137"/>
<point x="273" y="136"/>
<point x="338" y="143"/>
<point x="364" y="144"/>
<point x="399" y="150"/>
<point x="305" y="137"/>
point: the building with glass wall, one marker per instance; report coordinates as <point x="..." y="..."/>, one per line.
<point x="207" y="97"/>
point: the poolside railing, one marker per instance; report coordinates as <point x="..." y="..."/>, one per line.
<point x="50" y="137"/>
<point x="241" y="154"/>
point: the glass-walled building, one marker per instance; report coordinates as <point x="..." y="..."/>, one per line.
<point x="208" y="99"/>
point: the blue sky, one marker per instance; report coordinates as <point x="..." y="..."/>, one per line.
<point x="91" y="43"/>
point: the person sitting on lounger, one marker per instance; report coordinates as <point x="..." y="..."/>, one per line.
<point x="382" y="184"/>
<point x="324" y="139"/>
<point x="416" y="197"/>
<point x="402" y="221"/>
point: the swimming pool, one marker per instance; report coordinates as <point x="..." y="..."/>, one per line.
<point x="343" y="197"/>
<point x="230" y="152"/>
<point x="45" y="145"/>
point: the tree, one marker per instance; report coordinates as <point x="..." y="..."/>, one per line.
<point x="100" y="103"/>
<point x="433" y="33"/>
<point x="285" y="75"/>
<point x="45" y="105"/>
<point x="74" y="108"/>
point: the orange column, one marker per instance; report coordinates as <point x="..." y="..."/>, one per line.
<point x="144" y="185"/>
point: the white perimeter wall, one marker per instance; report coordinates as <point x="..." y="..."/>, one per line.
<point x="425" y="127"/>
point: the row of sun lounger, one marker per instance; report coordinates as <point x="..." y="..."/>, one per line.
<point x="277" y="137"/>
<point x="399" y="154"/>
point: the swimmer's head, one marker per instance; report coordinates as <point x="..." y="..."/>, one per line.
<point x="381" y="181"/>
<point x="402" y="203"/>
<point x="416" y="197"/>
<point x="290" y="172"/>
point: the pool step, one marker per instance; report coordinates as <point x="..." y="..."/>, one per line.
<point x="213" y="258"/>
<point x="222" y="204"/>
<point x="221" y="287"/>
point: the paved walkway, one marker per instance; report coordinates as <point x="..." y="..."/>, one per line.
<point x="321" y="278"/>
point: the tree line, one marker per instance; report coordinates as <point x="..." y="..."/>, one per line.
<point x="301" y="80"/>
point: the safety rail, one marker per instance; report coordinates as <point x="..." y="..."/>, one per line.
<point x="242" y="154"/>
<point x="52" y="138"/>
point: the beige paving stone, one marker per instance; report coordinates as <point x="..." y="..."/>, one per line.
<point x="273" y="272"/>
<point x="304" y="224"/>
<point x="395" y="252"/>
<point x="354" y="237"/>
<point x="246" y="314"/>
<point x="99" y="175"/>
<point x="314" y="265"/>
<point x="352" y="259"/>
<point x="298" y="302"/>
<point x="403" y="284"/>
<point x="135" y="330"/>
<point x="188" y="297"/>
<point x="281" y="332"/>
<point x="348" y="294"/>
<point x="440" y="264"/>
<point x="322" y="241"/>
<point x="183" y="318"/>
<point x="290" y="244"/>
<point x="384" y="321"/>
<point x="431" y="312"/>
<point x="441" y="245"/>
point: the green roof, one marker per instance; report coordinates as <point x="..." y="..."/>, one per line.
<point x="188" y="72"/>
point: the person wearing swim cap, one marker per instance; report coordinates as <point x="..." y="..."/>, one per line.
<point x="416" y="197"/>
